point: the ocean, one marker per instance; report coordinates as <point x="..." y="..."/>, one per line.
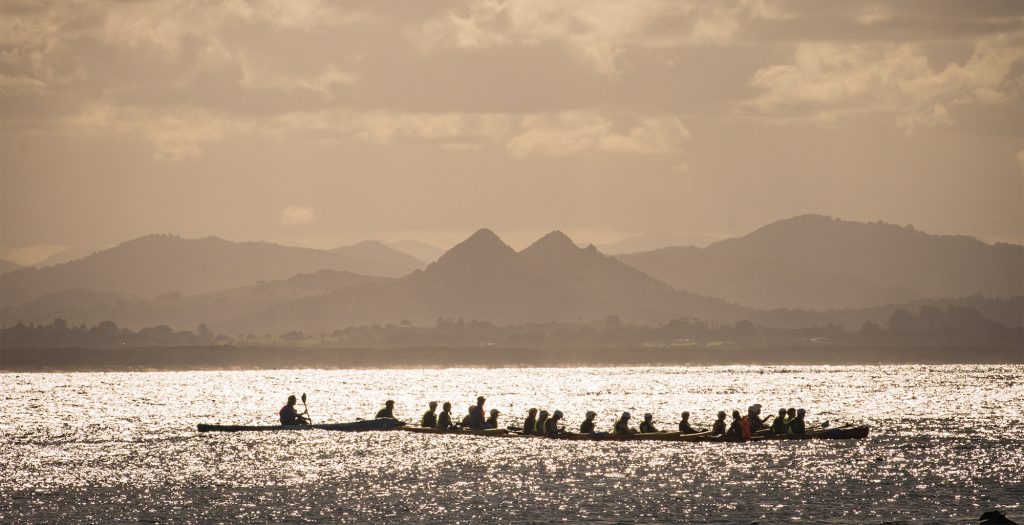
<point x="946" y="444"/>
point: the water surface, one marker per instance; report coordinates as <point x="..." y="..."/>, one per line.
<point x="946" y="445"/>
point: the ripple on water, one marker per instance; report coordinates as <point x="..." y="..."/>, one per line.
<point x="102" y="447"/>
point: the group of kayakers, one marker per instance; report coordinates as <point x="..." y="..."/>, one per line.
<point x="541" y="422"/>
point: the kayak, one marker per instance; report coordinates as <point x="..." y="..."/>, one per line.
<point x="383" y="423"/>
<point x="466" y="431"/>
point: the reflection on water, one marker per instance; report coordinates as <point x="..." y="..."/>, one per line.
<point x="946" y="443"/>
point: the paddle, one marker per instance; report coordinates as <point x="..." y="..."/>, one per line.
<point x="305" y="409"/>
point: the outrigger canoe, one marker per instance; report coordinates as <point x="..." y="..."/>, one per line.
<point x="847" y="432"/>
<point x="355" y="426"/>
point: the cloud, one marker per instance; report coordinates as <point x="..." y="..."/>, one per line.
<point x="296" y="215"/>
<point x="579" y="132"/>
<point x="828" y="79"/>
<point x="597" y="32"/>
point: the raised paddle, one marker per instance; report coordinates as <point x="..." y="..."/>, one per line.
<point x="305" y="409"/>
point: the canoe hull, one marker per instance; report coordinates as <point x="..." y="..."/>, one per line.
<point x="465" y="431"/>
<point x="355" y="426"/>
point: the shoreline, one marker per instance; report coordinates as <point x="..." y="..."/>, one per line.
<point x="272" y="358"/>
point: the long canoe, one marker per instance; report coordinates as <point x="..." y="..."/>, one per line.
<point x="355" y="426"/>
<point x="847" y="432"/>
<point x="467" y="431"/>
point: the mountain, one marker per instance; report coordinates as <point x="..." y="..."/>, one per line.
<point x="817" y="262"/>
<point x="420" y="250"/>
<point x="69" y="254"/>
<point x="652" y="241"/>
<point x="178" y="311"/>
<point x="8" y="266"/>
<point x="483" y="278"/>
<point x="157" y="264"/>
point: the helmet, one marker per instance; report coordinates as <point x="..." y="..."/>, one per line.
<point x="558" y="413"/>
<point x="625" y="415"/>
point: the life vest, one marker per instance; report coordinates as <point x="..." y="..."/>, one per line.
<point x="745" y="427"/>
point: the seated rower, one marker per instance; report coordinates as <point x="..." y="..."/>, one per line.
<point x="429" y="419"/>
<point x="388" y="410"/>
<point x="684" y="424"/>
<point x="551" y="425"/>
<point x="530" y="423"/>
<point x="790" y="416"/>
<point x="444" y="421"/>
<point x="740" y="428"/>
<point x="587" y="427"/>
<point x="492" y="421"/>
<point x="476" y="414"/>
<point x="779" y="425"/>
<point x="754" y="416"/>
<point x="542" y="419"/>
<point x="648" y="424"/>
<point x="289" y="415"/>
<point x="718" y="428"/>
<point x="622" y="425"/>
<point x="797" y="426"/>
<point x="467" y="420"/>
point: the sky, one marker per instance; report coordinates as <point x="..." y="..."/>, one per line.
<point x="326" y="123"/>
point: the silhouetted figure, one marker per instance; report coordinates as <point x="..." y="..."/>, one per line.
<point x="492" y="421"/>
<point x="530" y="423"/>
<point x="684" y="424"/>
<point x="740" y="427"/>
<point x="779" y="425"/>
<point x="622" y="425"/>
<point x="476" y="414"/>
<point x="388" y="410"/>
<point x="587" y="426"/>
<point x="797" y="426"/>
<point x="718" y="428"/>
<point x="790" y="416"/>
<point x="542" y="419"/>
<point x="995" y="517"/>
<point x="289" y="415"/>
<point x="444" y="421"/>
<point x="551" y="425"/>
<point x="429" y="419"/>
<point x="754" y="416"/>
<point x="647" y="426"/>
<point x="467" y="420"/>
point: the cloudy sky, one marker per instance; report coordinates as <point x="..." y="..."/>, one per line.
<point x="324" y="123"/>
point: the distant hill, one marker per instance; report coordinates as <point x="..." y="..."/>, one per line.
<point x="157" y="264"/>
<point x="650" y="241"/>
<point x="69" y="254"/>
<point x="420" y="250"/>
<point x="483" y="278"/>
<point x="8" y="266"/>
<point x="817" y="262"/>
<point x="178" y="311"/>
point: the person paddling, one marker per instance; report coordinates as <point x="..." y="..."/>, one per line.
<point x="779" y="425"/>
<point x="797" y="426"/>
<point x="754" y="416"/>
<point x="718" y="428"/>
<point x="684" y="424"/>
<point x="648" y="424"/>
<point x="530" y="423"/>
<point x="476" y="414"/>
<point x="388" y="411"/>
<point x="587" y="427"/>
<point x="542" y="419"/>
<point x="429" y="419"/>
<point x="289" y="415"/>
<point x="551" y="425"/>
<point x="444" y="420"/>
<point x="740" y="428"/>
<point x="492" y="421"/>
<point x="621" y="427"/>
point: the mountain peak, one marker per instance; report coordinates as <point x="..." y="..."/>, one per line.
<point x="481" y="248"/>
<point x="554" y="242"/>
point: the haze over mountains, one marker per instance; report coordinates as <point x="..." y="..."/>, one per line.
<point x="817" y="262"/>
<point x="156" y="264"/>
<point x="850" y="272"/>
